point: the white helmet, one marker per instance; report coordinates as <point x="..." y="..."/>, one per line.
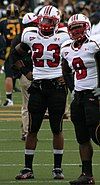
<point x="79" y="26"/>
<point x="49" y="18"/>
<point x="29" y="17"/>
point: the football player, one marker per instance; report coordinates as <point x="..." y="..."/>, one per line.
<point x="79" y="54"/>
<point x="48" y="86"/>
<point x="95" y="23"/>
<point x="9" y="28"/>
<point x="29" y="20"/>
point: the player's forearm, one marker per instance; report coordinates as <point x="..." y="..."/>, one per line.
<point x="16" y="56"/>
<point x="18" y="52"/>
<point x="68" y="75"/>
<point x="70" y="81"/>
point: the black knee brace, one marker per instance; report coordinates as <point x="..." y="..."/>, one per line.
<point x="95" y="134"/>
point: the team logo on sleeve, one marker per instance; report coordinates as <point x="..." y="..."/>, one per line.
<point x="31" y="38"/>
<point x="66" y="53"/>
<point x="56" y="39"/>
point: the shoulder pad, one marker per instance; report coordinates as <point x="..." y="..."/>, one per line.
<point x="62" y="29"/>
<point x="30" y="29"/>
<point x="96" y="39"/>
<point x="67" y="43"/>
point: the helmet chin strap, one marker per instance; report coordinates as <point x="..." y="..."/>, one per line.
<point x="44" y="35"/>
<point x="47" y="33"/>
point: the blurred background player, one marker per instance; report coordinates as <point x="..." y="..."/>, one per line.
<point x="95" y="22"/>
<point x="24" y="6"/>
<point x="2" y="51"/>
<point x="29" y="20"/>
<point x="2" y="58"/>
<point x="9" y="28"/>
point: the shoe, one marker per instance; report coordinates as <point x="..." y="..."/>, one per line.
<point x="24" y="135"/>
<point x="83" y="180"/>
<point x="15" y="89"/>
<point x="46" y="116"/>
<point x="8" y="103"/>
<point x="57" y="173"/>
<point x="26" y="173"/>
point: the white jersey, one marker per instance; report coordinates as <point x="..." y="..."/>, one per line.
<point x="45" y="52"/>
<point x="83" y="63"/>
<point x="95" y="29"/>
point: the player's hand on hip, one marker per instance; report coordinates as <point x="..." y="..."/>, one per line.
<point x="29" y="76"/>
<point x="96" y="91"/>
<point x="72" y="95"/>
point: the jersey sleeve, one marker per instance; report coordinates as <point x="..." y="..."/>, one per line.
<point x="25" y="37"/>
<point x="63" y="34"/>
<point x="96" y="40"/>
<point x="64" y="46"/>
<point x="29" y="33"/>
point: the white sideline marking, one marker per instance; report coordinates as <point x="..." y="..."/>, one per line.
<point x="13" y="139"/>
<point x="39" y="151"/>
<point x="34" y="182"/>
<point x="9" y="111"/>
<point x="38" y="181"/>
<point x="9" y="129"/>
<point x="65" y="164"/>
<point x="19" y="119"/>
<point x="44" y="129"/>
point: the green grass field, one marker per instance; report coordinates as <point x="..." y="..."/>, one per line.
<point x="12" y="149"/>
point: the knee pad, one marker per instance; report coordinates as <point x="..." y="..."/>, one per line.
<point x="56" y="130"/>
<point x="95" y="134"/>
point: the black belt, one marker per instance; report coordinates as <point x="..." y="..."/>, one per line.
<point x="87" y="91"/>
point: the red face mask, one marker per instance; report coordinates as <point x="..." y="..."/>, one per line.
<point x="47" y="25"/>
